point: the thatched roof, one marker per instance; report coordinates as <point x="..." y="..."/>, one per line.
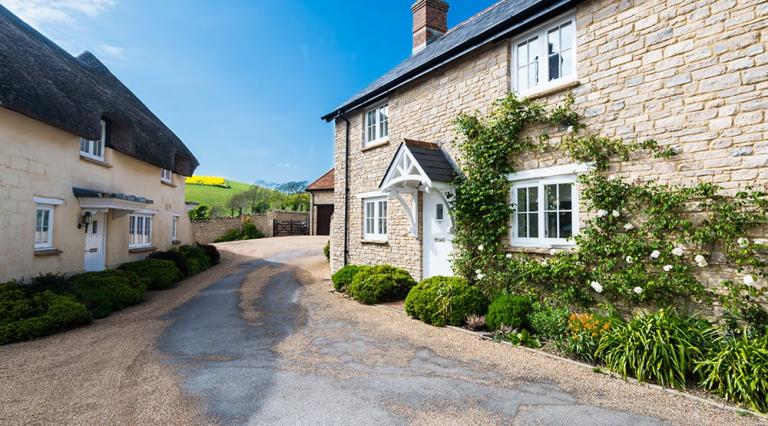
<point x="41" y="80"/>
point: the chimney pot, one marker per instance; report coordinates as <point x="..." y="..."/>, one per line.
<point x="430" y="21"/>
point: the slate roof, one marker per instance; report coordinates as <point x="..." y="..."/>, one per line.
<point x="324" y="183"/>
<point x="432" y="159"/>
<point x="41" y="80"/>
<point x="505" y="18"/>
<point x="92" y="193"/>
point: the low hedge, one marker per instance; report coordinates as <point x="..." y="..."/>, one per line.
<point x="108" y="291"/>
<point x="444" y="300"/>
<point x="174" y="256"/>
<point x="344" y="276"/>
<point x="510" y="310"/>
<point x="378" y="284"/>
<point x="197" y="260"/>
<point x="212" y="252"/>
<point x="25" y="315"/>
<point x="162" y="274"/>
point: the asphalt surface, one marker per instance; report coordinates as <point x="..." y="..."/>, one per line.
<point x="230" y="362"/>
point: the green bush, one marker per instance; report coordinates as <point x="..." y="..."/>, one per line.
<point x="162" y="274"/>
<point x="444" y="300"/>
<point x="174" y="256"/>
<point x="662" y="347"/>
<point x="196" y="259"/>
<point x="344" y="276"/>
<point x="25" y="316"/>
<point x="510" y="310"/>
<point x="327" y="251"/>
<point x="549" y="321"/>
<point x="231" y="235"/>
<point x="378" y="284"/>
<point x="56" y="283"/>
<point x="108" y="291"/>
<point x="212" y="252"/>
<point x="251" y="232"/>
<point x="736" y="368"/>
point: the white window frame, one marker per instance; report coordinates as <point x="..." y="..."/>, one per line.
<point x="539" y="178"/>
<point x="175" y="227"/>
<point x="48" y="243"/>
<point x="379" y="226"/>
<point x="378" y="134"/>
<point x="543" y="62"/>
<point x="166" y="175"/>
<point x="138" y="237"/>
<point x="88" y="148"/>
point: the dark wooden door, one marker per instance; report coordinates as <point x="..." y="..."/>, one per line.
<point x="324" y="213"/>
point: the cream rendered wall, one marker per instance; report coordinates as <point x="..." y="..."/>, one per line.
<point x="40" y="160"/>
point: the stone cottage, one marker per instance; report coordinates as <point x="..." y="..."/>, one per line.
<point x="89" y="177"/>
<point x="692" y="74"/>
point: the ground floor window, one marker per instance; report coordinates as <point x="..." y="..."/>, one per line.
<point x="174" y="228"/>
<point x="375" y="218"/>
<point x="140" y="231"/>
<point x="44" y="227"/>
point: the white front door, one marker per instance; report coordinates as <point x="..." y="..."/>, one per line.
<point x="94" y="243"/>
<point x="438" y="241"/>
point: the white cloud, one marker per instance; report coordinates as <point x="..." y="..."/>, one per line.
<point x="285" y="165"/>
<point x="41" y="12"/>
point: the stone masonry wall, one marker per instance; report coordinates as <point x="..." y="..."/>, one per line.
<point x="689" y="74"/>
<point x="205" y="231"/>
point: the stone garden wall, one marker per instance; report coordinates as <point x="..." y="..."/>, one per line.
<point x="207" y="230"/>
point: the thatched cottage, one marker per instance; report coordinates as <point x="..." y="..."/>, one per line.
<point x="89" y="177"/>
<point x="689" y="73"/>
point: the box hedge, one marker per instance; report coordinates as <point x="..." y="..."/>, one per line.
<point x="162" y="274"/>
<point x="509" y="309"/>
<point x="174" y="256"/>
<point x="108" y="291"/>
<point x="197" y="260"/>
<point x="444" y="300"/>
<point x="344" y="276"/>
<point x="376" y="284"/>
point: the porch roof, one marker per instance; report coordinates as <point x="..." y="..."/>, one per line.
<point x="93" y="199"/>
<point x="420" y="163"/>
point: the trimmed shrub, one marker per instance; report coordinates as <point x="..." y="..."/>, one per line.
<point x="25" y="316"/>
<point x="197" y="261"/>
<point x="108" y="291"/>
<point x="344" y="276"/>
<point x="662" y="347"/>
<point x="174" y="256"/>
<point x="162" y="274"/>
<point x="378" y="284"/>
<point x="251" y="232"/>
<point x="212" y="252"/>
<point x="548" y="321"/>
<point x="737" y="369"/>
<point x="56" y="283"/>
<point x="444" y="300"/>
<point x="510" y="310"/>
<point x="327" y="251"/>
<point x="231" y="235"/>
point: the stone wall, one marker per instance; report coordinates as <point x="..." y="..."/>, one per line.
<point x="690" y="74"/>
<point x="205" y="231"/>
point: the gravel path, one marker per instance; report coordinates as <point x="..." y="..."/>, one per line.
<point x="261" y="340"/>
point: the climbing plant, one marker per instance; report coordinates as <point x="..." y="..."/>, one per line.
<point x="644" y="244"/>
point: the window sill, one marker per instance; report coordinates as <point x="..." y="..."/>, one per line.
<point x="47" y="252"/>
<point x="166" y="183"/>
<point x="380" y="242"/>
<point x="146" y="249"/>
<point x="375" y="145"/>
<point x="95" y="161"/>
<point x="550" y="90"/>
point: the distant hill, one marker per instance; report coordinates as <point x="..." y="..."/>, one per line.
<point x="214" y="195"/>
<point x="288" y="187"/>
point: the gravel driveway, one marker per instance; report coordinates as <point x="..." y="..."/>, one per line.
<point x="260" y="340"/>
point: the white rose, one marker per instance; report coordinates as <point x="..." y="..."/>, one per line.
<point x="743" y="242"/>
<point x="629" y="226"/>
<point x="602" y="213"/>
<point x="638" y="290"/>
<point x="480" y="277"/>
<point x="701" y="261"/>
<point x="570" y="129"/>
<point x="481" y="247"/>
<point x="667" y="268"/>
<point x="616" y="213"/>
<point x="509" y="256"/>
<point x="655" y="254"/>
<point x="677" y="251"/>
<point x="749" y="279"/>
<point x="596" y="286"/>
<point x="553" y="252"/>
<point x="478" y="272"/>
<point x="629" y="259"/>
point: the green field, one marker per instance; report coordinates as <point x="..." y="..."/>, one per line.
<point x="214" y="195"/>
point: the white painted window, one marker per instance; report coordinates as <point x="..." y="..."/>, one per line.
<point x="166" y="175"/>
<point x="545" y="57"/>
<point x="439" y="212"/>
<point x="140" y="231"/>
<point x="174" y="228"/>
<point x="377" y="125"/>
<point x="44" y="227"/>
<point x="375" y="218"/>
<point x="94" y="149"/>
<point x="546" y="206"/>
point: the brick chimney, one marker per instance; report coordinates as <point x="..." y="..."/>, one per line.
<point x="430" y="21"/>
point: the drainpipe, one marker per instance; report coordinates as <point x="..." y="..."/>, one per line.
<point x="346" y="190"/>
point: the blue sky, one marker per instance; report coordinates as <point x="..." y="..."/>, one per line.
<point x="242" y="82"/>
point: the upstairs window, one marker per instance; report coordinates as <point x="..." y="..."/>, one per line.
<point x="94" y="148"/>
<point x="375" y="219"/>
<point x="140" y="231"/>
<point x="545" y="57"/>
<point x="377" y="125"/>
<point x="166" y="175"/>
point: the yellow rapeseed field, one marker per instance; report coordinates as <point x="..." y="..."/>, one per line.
<point x="206" y="180"/>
